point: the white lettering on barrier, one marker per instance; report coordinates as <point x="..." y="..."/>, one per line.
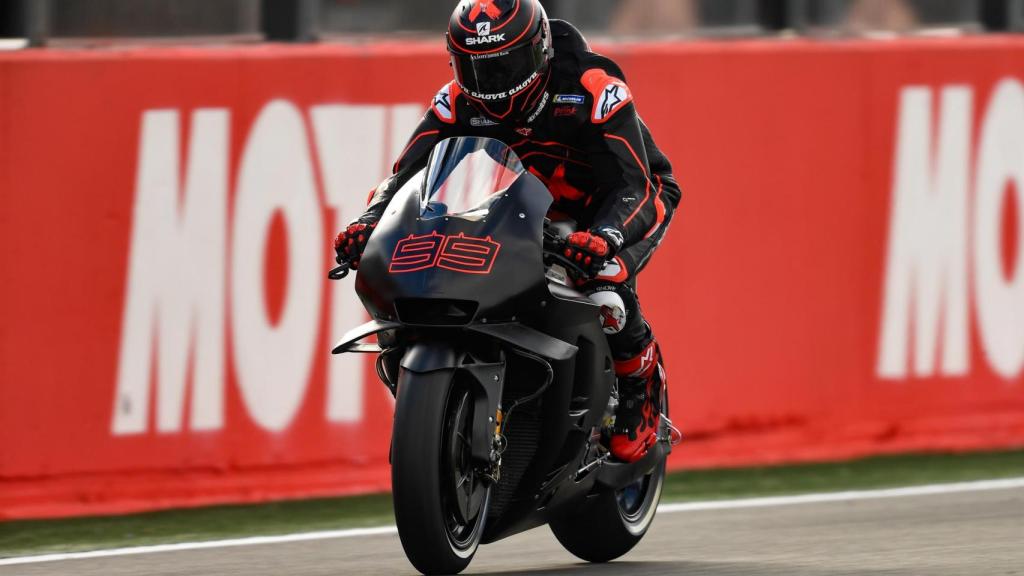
<point x="175" y="288"/>
<point x="343" y="165"/>
<point x="178" y="275"/>
<point x="929" y="265"/>
<point x="926" y="268"/>
<point x="1000" y="301"/>
<point x="276" y="175"/>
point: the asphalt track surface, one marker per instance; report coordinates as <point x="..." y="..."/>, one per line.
<point x="962" y="534"/>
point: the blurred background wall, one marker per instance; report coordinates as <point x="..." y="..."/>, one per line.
<point x="248" y="20"/>
<point x="845" y="277"/>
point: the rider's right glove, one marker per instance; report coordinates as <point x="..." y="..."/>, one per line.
<point x="588" y="252"/>
<point x="351" y="242"/>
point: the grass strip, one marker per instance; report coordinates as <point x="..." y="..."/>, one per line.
<point x="19" y="538"/>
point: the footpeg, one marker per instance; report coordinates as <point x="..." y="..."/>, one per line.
<point x="671" y="434"/>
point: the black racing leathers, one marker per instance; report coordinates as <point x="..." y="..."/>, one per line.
<point x="585" y="141"/>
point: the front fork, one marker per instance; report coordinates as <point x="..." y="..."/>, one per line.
<point x="490" y="418"/>
<point x="487" y="381"/>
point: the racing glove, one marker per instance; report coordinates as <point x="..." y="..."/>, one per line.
<point x="351" y="242"/>
<point x="588" y="252"/>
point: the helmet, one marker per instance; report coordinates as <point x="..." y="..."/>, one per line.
<point x="500" y="50"/>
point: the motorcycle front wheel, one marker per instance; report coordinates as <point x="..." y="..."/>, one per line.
<point x="440" y="502"/>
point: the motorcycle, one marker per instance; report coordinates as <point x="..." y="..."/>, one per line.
<point x="504" y="385"/>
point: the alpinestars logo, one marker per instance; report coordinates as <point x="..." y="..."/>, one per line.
<point x="613" y="235"/>
<point x="610" y="99"/>
<point x="611" y="320"/>
<point x="613" y="310"/>
<point x="443" y="103"/>
<point x="485" y="39"/>
<point x="540" y="108"/>
<point x="483" y="29"/>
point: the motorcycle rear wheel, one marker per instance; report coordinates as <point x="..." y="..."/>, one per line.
<point x="440" y="503"/>
<point x="610" y="524"/>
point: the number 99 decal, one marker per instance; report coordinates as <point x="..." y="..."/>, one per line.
<point x="460" y="253"/>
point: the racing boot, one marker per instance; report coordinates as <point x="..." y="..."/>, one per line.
<point x="639" y="412"/>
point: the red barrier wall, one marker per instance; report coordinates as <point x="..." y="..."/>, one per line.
<point x="846" y="275"/>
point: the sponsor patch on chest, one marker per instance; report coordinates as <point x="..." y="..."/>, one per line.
<point x="565" y="111"/>
<point x="570" y="99"/>
<point x="480" y="121"/>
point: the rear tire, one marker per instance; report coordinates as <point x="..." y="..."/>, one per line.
<point x="610" y="524"/>
<point x="440" y="520"/>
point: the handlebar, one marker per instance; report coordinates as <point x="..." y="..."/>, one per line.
<point x="554" y="248"/>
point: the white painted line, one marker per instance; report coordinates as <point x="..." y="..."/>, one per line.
<point x="252" y="541"/>
<point x="926" y="490"/>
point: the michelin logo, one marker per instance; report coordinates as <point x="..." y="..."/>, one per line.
<point x="569" y="99"/>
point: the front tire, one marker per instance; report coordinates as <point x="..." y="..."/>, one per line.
<point x="440" y="503"/>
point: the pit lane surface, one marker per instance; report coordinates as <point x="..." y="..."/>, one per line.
<point x="969" y="533"/>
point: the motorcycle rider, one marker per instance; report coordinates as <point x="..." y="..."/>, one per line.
<point x="569" y="115"/>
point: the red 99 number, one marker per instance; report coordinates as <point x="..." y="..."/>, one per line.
<point x="460" y="253"/>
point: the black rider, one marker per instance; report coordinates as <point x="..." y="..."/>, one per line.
<point x="569" y="115"/>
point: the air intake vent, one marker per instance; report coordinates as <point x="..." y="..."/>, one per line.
<point x="435" y="311"/>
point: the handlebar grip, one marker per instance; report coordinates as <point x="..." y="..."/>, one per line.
<point x="571" y="267"/>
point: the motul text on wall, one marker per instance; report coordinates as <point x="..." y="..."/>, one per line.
<point x="956" y="236"/>
<point x="844" y="277"/>
<point x="183" y="290"/>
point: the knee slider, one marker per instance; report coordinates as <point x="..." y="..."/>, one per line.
<point x="613" y="310"/>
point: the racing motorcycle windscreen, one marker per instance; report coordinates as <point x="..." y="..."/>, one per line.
<point x="465" y="176"/>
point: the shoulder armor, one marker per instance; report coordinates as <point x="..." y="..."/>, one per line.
<point x="610" y="94"/>
<point x="445" y="103"/>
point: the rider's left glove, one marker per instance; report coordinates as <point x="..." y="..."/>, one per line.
<point x="351" y="242"/>
<point x="588" y="252"/>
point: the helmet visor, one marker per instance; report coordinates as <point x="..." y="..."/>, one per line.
<point x="500" y="75"/>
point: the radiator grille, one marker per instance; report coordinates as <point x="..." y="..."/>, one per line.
<point x="523" y="435"/>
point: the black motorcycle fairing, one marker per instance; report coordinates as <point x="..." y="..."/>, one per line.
<point x="350" y="341"/>
<point x="617" y="475"/>
<point x="567" y="415"/>
<point x="514" y="282"/>
<point x="529" y="339"/>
